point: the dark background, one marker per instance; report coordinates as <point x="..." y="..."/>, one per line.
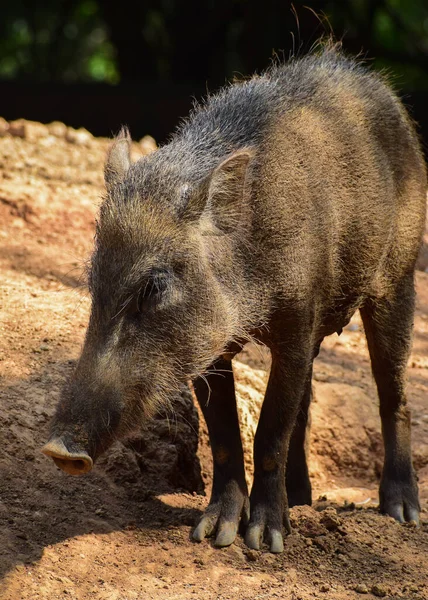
<point x="99" y="64"/>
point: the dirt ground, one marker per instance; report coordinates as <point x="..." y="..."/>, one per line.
<point x="110" y="535"/>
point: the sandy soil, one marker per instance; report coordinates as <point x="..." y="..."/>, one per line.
<point x="114" y="534"/>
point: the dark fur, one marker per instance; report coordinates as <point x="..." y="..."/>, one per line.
<point x="280" y="207"/>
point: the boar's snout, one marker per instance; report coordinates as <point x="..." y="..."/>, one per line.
<point x="73" y="463"/>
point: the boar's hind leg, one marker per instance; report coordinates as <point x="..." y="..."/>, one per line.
<point x="229" y="498"/>
<point x="388" y="325"/>
<point x="288" y="378"/>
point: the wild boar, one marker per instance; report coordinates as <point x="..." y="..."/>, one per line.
<point x="281" y="206"/>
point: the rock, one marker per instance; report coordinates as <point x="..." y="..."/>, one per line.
<point x="4" y="127"/>
<point x="57" y="129"/>
<point x="330" y="518"/>
<point x="17" y="128"/>
<point x="361" y="588"/>
<point x="28" y="130"/>
<point x="324" y="587"/>
<point x="252" y="555"/>
<point x="236" y="552"/>
<point x="320" y="376"/>
<point x="80" y="137"/>
<point x="422" y="262"/>
<point x="379" y="590"/>
<point x="311" y="529"/>
<point x="319" y="506"/>
<point x="148" y="144"/>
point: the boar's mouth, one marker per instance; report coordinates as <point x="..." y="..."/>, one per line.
<point x="73" y="463"/>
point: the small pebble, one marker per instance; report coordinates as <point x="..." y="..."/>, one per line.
<point x="57" y="129"/>
<point x="252" y="555"/>
<point x="148" y="144"/>
<point x="17" y="128"/>
<point x="80" y="137"/>
<point x="4" y="127"/>
<point x="322" y="377"/>
<point x="29" y="130"/>
<point x="379" y="590"/>
<point x="236" y="551"/>
<point x="361" y="589"/>
<point x="324" y="587"/>
<point x="330" y="519"/>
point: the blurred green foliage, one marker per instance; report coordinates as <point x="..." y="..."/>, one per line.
<point x="392" y="32"/>
<point x="56" y="40"/>
<point x="183" y="40"/>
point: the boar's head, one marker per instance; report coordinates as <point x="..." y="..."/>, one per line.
<point x="163" y="278"/>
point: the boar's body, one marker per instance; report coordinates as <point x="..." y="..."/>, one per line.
<point x="280" y="207"/>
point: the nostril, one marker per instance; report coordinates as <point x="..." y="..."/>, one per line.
<point x="76" y="466"/>
<point x="74" y="463"/>
<point x="79" y="465"/>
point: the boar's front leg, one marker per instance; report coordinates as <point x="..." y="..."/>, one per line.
<point x="297" y="482"/>
<point x="288" y="381"/>
<point x="229" y="499"/>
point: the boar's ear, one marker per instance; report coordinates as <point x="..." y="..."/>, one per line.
<point x="227" y="191"/>
<point x="118" y="159"/>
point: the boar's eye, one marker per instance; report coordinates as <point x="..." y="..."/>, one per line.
<point x="150" y="293"/>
